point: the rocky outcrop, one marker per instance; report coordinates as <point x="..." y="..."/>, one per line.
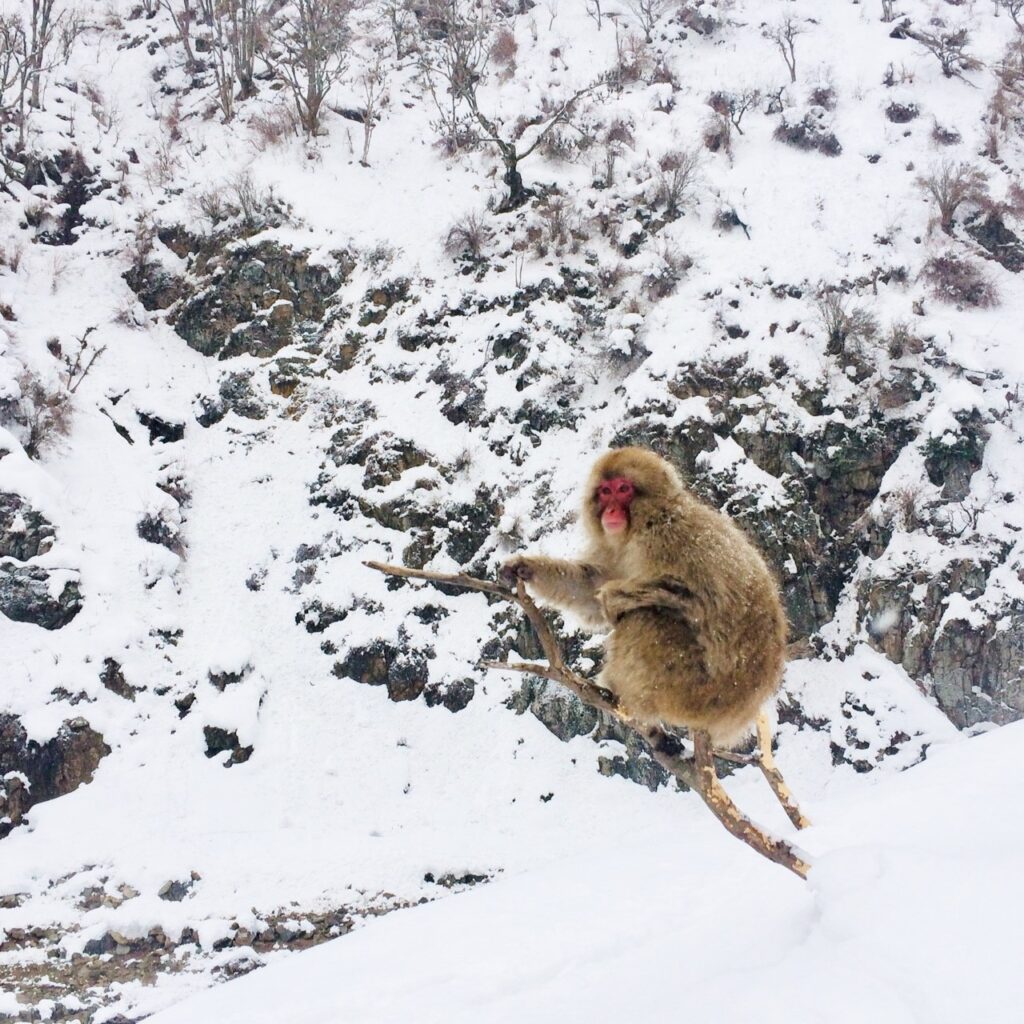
<point x="24" y="533"/>
<point x="27" y="595"/>
<point x="933" y="626"/>
<point x="43" y="771"/>
<point x="256" y="298"/>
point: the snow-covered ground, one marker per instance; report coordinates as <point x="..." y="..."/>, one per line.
<point x="911" y="914"/>
<point x="548" y="891"/>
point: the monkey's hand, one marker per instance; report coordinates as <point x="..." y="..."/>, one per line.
<point x="667" y="594"/>
<point x="515" y="569"/>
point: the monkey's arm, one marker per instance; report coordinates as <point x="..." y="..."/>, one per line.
<point x="569" y="585"/>
<point x="662" y="593"/>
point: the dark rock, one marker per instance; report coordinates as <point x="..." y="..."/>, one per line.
<point x="156" y="528"/>
<point x="253" y="298"/>
<point x="24" y="533"/>
<point x="238" y="394"/>
<point x="25" y="597"/>
<point x="174" y="891"/>
<point x="113" y="679"/>
<point x="54" y="768"/>
<point x="161" y="429"/>
<point x="454" y="695"/>
<point x="972" y="665"/>
<point x="220" y="740"/>
<point x="992" y="234"/>
<point x="951" y="462"/>
<point x="404" y="672"/>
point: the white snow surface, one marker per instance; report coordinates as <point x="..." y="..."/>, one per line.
<point x="911" y="915"/>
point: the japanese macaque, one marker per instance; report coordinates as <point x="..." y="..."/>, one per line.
<point x="698" y="634"/>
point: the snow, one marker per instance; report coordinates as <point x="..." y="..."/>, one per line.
<point x="632" y="925"/>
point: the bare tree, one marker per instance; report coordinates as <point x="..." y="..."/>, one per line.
<point x="185" y="15"/>
<point x="949" y="49"/>
<point x="309" y="53"/>
<point x="593" y="8"/>
<point x="676" y="176"/>
<point x="784" y="36"/>
<point x="647" y="13"/>
<point x="951" y="185"/>
<point x="15" y="75"/>
<point x="374" y="83"/>
<point x="400" y="18"/>
<point x="456" y="62"/>
<point x="734" y="105"/>
<point x="47" y="26"/>
<point x="1014" y="8"/>
<point x="888" y="10"/>
<point x="235" y="34"/>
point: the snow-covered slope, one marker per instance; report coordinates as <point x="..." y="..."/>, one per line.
<point x="282" y="746"/>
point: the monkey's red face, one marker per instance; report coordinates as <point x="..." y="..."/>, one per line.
<point x="613" y="501"/>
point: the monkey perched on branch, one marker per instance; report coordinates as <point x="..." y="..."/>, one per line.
<point x="697" y="629"/>
<point x="698" y="634"/>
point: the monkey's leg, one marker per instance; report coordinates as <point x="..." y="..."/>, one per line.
<point x="766" y="762"/>
<point x="721" y="806"/>
<point x="663" y="594"/>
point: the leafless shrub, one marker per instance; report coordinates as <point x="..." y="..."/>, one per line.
<point x="614" y="141"/>
<point x="504" y="49"/>
<point x="903" y="341"/>
<point x="717" y="135"/>
<point x="273" y="125"/>
<point x="646" y="13"/>
<point x="958" y="280"/>
<point x="823" y="96"/>
<point x="906" y="505"/>
<point x="733" y="105"/>
<point x="668" y="267"/>
<point x="901" y="113"/>
<point x="808" y="133"/>
<point x="949" y="49"/>
<point x="610" y="276"/>
<point x="374" y="85"/>
<point x="944" y="136"/>
<point x="633" y="62"/>
<point x="40" y="416"/>
<point x="77" y="366"/>
<point x="676" y="176"/>
<point x="467" y="238"/>
<point x="309" y="52"/>
<point x="557" y="228"/>
<point x="240" y="198"/>
<point x="950" y="185"/>
<point x="783" y="35"/>
<point x="1015" y="9"/>
<point x="845" y="326"/>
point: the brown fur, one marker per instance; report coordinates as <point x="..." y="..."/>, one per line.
<point x="698" y="632"/>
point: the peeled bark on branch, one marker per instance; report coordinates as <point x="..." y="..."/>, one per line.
<point x="696" y="772"/>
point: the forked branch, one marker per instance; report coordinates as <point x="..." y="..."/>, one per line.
<point x="697" y="772"/>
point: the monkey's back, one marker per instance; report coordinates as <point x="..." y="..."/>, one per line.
<point x="715" y="668"/>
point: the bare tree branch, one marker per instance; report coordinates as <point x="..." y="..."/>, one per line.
<point x="697" y="773"/>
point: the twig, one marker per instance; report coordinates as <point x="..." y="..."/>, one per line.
<point x="697" y="773"/>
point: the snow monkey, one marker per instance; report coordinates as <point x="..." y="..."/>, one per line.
<point x="698" y="634"/>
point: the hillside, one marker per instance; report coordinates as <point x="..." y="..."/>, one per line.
<point x="239" y="357"/>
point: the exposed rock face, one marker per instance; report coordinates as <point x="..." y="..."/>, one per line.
<point x="24" y="533"/>
<point x="26" y="596"/>
<point x="254" y="298"/>
<point x="219" y="740"/>
<point x="972" y="659"/>
<point x="58" y="766"/>
<point x="403" y="671"/>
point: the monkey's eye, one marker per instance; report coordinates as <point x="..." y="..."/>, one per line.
<point x="624" y="488"/>
<point x="604" y="490"/>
